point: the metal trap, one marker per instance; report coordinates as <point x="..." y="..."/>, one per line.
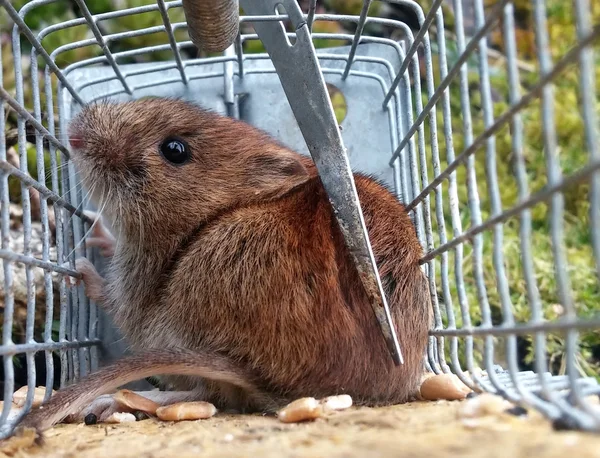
<point x="441" y="115"/>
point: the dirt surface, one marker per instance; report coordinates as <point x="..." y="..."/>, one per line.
<point x="427" y="429"/>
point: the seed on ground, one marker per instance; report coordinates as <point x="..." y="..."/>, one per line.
<point x="186" y="411"/>
<point x="302" y="409"/>
<point x="339" y="402"/>
<point x="20" y="396"/>
<point x="444" y="386"/>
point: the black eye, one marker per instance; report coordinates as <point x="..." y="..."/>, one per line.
<point x="175" y="150"/>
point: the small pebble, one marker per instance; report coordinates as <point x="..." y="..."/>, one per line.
<point x="498" y="369"/>
<point x="472" y="394"/>
<point x="139" y="415"/>
<point x="517" y="411"/>
<point x="564" y="423"/>
<point x="90" y="419"/>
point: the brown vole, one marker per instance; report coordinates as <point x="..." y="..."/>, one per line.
<point x="226" y="247"/>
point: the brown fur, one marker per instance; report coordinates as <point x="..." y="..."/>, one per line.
<point x="238" y="252"/>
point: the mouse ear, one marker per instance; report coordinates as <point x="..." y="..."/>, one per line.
<point x="275" y="171"/>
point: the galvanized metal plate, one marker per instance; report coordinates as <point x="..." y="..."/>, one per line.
<point x="365" y="131"/>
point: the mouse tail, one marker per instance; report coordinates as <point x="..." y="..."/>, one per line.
<point x="147" y="363"/>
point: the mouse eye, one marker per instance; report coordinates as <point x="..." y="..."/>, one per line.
<point x="175" y="150"/>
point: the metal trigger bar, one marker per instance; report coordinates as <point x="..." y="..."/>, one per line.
<point x="307" y="95"/>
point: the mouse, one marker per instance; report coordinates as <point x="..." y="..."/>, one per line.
<point x="227" y="272"/>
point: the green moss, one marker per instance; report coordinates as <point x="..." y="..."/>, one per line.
<point x="328" y="27"/>
<point x="338" y="101"/>
<point x="254" y="47"/>
<point x="43" y="15"/>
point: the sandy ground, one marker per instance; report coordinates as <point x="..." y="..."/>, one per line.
<point x="420" y="429"/>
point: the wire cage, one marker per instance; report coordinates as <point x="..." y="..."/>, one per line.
<point x="486" y="130"/>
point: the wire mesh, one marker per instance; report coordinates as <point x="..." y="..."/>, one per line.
<point x="515" y="298"/>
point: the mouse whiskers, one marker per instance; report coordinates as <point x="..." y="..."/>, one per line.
<point x="83" y="199"/>
<point x="59" y="168"/>
<point x="89" y="231"/>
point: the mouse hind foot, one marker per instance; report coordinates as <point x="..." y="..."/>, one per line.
<point x="104" y="406"/>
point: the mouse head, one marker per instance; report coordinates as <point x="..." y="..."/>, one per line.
<point x="170" y="165"/>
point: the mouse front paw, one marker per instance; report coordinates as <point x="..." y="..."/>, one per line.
<point x="100" y="236"/>
<point x="92" y="281"/>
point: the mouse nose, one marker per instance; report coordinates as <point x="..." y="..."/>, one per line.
<point x="76" y="142"/>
